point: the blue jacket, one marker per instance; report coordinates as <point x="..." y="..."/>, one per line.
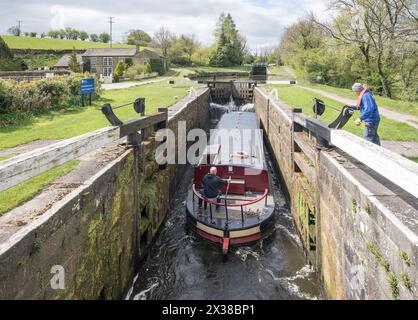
<point x="211" y="184"/>
<point x="369" y="111"/>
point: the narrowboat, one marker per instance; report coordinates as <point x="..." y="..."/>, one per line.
<point x="244" y="211"/>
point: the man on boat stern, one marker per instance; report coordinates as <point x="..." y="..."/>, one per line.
<point x="369" y="113"/>
<point x="211" y="183"/>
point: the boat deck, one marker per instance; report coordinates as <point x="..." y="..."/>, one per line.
<point x="254" y="214"/>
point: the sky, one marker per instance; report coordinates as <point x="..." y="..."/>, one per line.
<point x="261" y="21"/>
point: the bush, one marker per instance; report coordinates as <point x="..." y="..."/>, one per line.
<point x="4" y="97"/>
<point x="157" y="65"/>
<point x="20" y="100"/>
<point x="13" y="64"/>
<point x="137" y="70"/>
<point x="54" y="92"/>
<point x="119" y="70"/>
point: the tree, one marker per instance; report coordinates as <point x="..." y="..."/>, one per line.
<point x="74" y="65"/>
<point x="138" y="38"/>
<point x="176" y="52"/>
<point x="376" y="28"/>
<point x="71" y="34"/>
<point x="119" y="70"/>
<point x="202" y="55"/>
<point x="104" y="37"/>
<point x="87" y="66"/>
<point x="94" y="37"/>
<point x="163" y="39"/>
<point x="54" y="34"/>
<point x="15" y="31"/>
<point x="129" y="62"/>
<point x="83" y="35"/>
<point x="61" y="34"/>
<point x="33" y="34"/>
<point x="231" y="46"/>
<point x="189" y="45"/>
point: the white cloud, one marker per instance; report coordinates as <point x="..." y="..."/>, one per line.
<point x="261" y="21"/>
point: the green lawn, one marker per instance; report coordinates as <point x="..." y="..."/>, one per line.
<point x="25" y="191"/>
<point x="388" y="130"/>
<point x="3" y="158"/>
<point x="396" y="105"/>
<point x="78" y="121"/>
<point x="55" y="44"/>
<point x="219" y="69"/>
<point x="413" y="159"/>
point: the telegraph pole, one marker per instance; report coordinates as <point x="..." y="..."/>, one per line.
<point x="19" y="23"/>
<point x="111" y="22"/>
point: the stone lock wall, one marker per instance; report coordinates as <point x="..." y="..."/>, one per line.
<point x="358" y="230"/>
<point x="99" y="222"/>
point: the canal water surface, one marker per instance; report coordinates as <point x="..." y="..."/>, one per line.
<point x="183" y="267"/>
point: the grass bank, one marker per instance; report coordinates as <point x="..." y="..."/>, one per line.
<point x="388" y="130"/>
<point x="25" y="191"/>
<point x="55" y="44"/>
<point x="77" y="121"/>
<point x="413" y="159"/>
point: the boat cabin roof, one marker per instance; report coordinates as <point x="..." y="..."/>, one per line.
<point x="237" y="141"/>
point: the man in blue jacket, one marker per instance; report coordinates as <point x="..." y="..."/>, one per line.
<point x="369" y="113"/>
<point x="211" y="183"/>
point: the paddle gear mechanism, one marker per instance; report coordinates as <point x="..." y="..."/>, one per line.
<point x="346" y="113"/>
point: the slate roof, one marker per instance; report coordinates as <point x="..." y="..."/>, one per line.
<point x="110" y="52"/>
<point x="65" y="61"/>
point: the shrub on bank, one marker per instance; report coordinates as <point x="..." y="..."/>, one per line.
<point x="137" y="71"/>
<point x="20" y="100"/>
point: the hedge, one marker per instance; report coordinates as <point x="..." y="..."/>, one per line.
<point x="19" y="100"/>
<point x="157" y="65"/>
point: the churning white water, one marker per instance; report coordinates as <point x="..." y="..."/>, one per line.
<point x="217" y="110"/>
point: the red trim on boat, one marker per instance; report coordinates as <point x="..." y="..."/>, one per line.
<point x="208" y="236"/>
<point x="235" y="241"/>
<point x="248" y="239"/>
<point x="225" y="246"/>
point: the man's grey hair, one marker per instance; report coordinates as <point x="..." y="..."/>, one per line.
<point x="357" y="87"/>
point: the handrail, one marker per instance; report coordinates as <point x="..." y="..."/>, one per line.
<point x="196" y="193"/>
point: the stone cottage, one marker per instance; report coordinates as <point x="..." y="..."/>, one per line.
<point x="104" y="61"/>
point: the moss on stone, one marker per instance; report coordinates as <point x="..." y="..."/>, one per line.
<point x="107" y="250"/>
<point x="354" y="205"/>
<point x="406" y="281"/>
<point x="36" y="246"/>
<point x="143" y="225"/>
<point x="64" y="242"/>
<point x="404" y="256"/>
<point x="374" y="250"/>
<point x="23" y="262"/>
<point x="393" y="282"/>
<point x="367" y="209"/>
<point x="148" y="195"/>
